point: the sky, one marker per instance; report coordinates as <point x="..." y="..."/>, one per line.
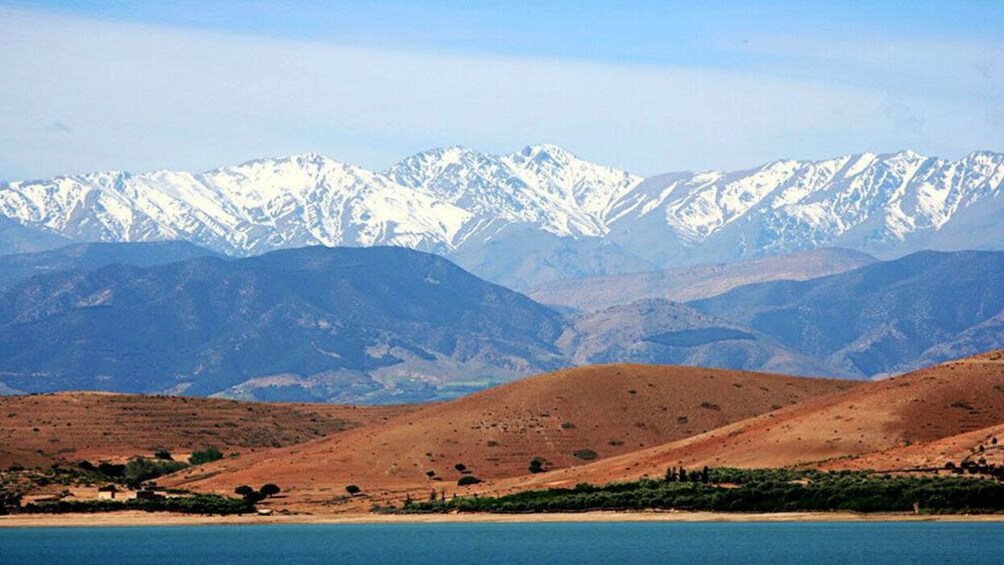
<point x="649" y="87"/>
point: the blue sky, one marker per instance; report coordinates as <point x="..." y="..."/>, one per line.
<point x="647" y="86"/>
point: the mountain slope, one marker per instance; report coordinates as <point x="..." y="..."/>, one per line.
<point x="374" y="324"/>
<point x="923" y="407"/>
<point x="683" y="284"/>
<point x="69" y="427"/>
<point x="670" y="333"/>
<point x="881" y="318"/>
<point x="18" y="238"/>
<point x="521" y="256"/>
<point x="566" y="418"/>
<point x="89" y="256"/>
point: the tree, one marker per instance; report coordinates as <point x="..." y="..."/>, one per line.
<point x="460" y="467"/>
<point x="671" y="475"/>
<point x="353" y="490"/>
<point x="269" y="490"/>
<point x="163" y="454"/>
<point x="244" y="491"/>
<point x="468" y="480"/>
<point x="537" y="465"/>
<point x="207" y="455"/>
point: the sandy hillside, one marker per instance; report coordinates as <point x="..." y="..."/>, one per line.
<point x="929" y="415"/>
<point x="38" y="430"/>
<point x="566" y="418"/>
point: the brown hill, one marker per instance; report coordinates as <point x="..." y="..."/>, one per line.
<point x="930" y="415"/>
<point x="566" y="418"/>
<point x="42" y="429"/>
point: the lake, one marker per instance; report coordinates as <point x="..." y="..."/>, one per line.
<point x="536" y="543"/>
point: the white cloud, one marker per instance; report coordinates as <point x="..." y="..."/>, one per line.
<point x="142" y="97"/>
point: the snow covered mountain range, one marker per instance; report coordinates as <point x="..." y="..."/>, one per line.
<point x="541" y="212"/>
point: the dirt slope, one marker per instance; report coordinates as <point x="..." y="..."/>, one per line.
<point x="42" y="429"/>
<point x="929" y="415"/>
<point x="567" y="418"/>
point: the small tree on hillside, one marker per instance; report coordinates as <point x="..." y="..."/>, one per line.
<point x="537" y="465"/>
<point x="353" y="490"/>
<point x="269" y="490"/>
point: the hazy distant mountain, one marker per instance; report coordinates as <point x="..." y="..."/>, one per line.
<point x="444" y="200"/>
<point x="670" y="333"/>
<point x="89" y="256"/>
<point x="682" y="284"/>
<point x="882" y="318"/>
<point x="522" y="256"/>
<point x="376" y="324"/>
<point x="18" y="238"/>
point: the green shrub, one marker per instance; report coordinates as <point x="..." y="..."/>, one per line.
<point x="537" y="465"/>
<point x="207" y="455"/>
<point x="141" y="469"/>
<point x="468" y="480"/>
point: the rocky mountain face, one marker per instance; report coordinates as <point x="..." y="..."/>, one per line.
<point x="596" y="220"/>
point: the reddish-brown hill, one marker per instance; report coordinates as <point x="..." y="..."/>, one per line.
<point x="929" y="415"/>
<point x="73" y="426"/>
<point x="566" y="418"/>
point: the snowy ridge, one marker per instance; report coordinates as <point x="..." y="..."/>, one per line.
<point x="443" y="199"/>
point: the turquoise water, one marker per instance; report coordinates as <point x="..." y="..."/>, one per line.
<point x="539" y="544"/>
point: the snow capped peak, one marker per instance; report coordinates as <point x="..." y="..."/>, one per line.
<point x="542" y="184"/>
<point x="545" y="151"/>
<point x="447" y="197"/>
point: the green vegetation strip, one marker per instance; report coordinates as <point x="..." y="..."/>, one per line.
<point x="194" y="504"/>
<point x="742" y="490"/>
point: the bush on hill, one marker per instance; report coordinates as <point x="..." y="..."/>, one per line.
<point x="207" y="455"/>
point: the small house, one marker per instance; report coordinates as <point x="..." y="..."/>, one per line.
<point x="107" y="492"/>
<point x="146" y="493"/>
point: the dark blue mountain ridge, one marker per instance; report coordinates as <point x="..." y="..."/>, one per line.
<point x="376" y="324"/>
<point x="19" y="267"/>
<point x="883" y="318"/>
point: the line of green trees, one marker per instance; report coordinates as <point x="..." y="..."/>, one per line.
<point x="194" y="504"/>
<point x="750" y="490"/>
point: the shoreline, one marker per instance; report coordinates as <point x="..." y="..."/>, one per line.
<point x="145" y="519"/>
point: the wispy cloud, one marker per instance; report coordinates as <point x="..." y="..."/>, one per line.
<point x="153" y="97"/>
<point x="58" y="127"/>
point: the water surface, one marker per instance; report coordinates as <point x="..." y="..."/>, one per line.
<point x="536" y="543"/>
